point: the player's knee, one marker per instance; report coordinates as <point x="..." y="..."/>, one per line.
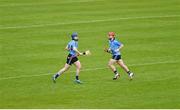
<point x="109" y="64"/>
<point x="65" y="68"/>
<point x="123" y="65"/>
<point x="79" y="66"/>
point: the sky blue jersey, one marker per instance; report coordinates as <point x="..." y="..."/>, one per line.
<point x="114" y="45"/>
<point x="72" y="44"/>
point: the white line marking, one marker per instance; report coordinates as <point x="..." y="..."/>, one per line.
<point x="84" y="22"/>
<point x="90" y="69"/>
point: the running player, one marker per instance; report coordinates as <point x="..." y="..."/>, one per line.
<point x="72" y="47"/>
<point x="114" y="48"/>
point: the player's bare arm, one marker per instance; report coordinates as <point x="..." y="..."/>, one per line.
<point x="77" y="51"/>
<point x="121" y="46"/>
<point x="66" y="48"/>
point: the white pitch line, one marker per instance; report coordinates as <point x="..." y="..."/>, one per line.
<point x="90" y="69"/>
<point x="84" y="22"/>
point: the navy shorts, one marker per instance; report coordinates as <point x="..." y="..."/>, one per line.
<point x="71" y="59"/>
<point x="116" y="57"/>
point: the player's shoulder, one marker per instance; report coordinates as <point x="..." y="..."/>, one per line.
<point x="71" y="42"/>
<point x="116" y="41"/>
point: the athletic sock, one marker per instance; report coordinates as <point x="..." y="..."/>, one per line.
<point x="115" y="72"/>
<point x="129" y="72"/>
<point x="56" y="75"/>
<point x="77" y="77"/>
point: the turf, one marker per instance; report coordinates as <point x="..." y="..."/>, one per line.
<point x="33" y="34"/>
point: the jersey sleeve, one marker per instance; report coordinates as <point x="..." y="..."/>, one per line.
<point x="118" y="43"/>
<point x="69" y="46"/>
<point x="73" y="45"/>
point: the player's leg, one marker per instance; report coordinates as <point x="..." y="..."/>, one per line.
<point x="123" y="65"/>
<point x="111" y="64"/>
<point x="78" y="68"/>
<point x="113" y="68"/>
<point x="65" y="68"/>
<point x="61" y="71"/>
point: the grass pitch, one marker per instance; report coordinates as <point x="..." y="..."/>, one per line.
<point x="33" y="35"/>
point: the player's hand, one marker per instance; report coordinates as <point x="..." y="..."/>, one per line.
<point x="117" y="50"/>
<point x="106" y="50"/>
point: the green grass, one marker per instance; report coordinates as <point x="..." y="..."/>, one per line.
<point x="33" y="35"/>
